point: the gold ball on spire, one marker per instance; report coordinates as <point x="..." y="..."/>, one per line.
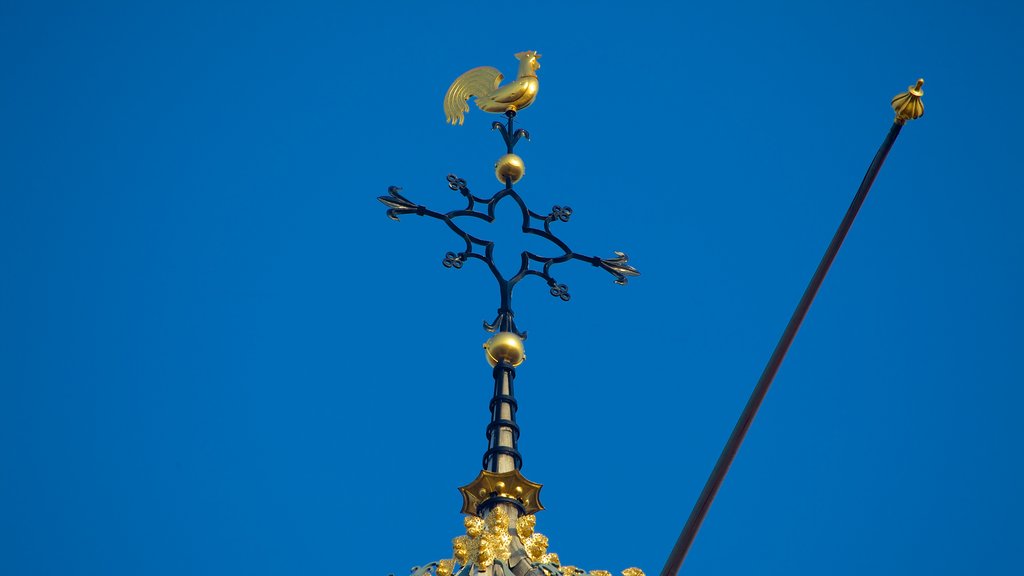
<point x="509" y="166"/>
<point x="505" y="346"/>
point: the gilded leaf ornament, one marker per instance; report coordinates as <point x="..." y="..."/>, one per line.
<point x="493" y="541"/>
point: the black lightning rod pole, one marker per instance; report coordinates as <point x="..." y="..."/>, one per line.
<point x="732" y="446"/>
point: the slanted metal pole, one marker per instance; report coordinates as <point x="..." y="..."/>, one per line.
<point x="905" y="110"/>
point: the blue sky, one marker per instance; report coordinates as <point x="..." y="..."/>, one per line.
<point x="217" y="356"/>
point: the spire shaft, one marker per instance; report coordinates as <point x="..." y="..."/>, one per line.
<point x="502" y="453"/>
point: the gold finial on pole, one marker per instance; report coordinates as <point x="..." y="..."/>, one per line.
<point x="908" y="105"/>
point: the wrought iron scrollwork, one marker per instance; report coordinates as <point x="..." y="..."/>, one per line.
<point x="452" y="260"/>
<point x="531" y="264"/>
<point x="561" y="213"/>
<point x="510" y="137"/>
<point x="560" y="291"/>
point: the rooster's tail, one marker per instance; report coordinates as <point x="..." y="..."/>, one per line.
<point x="476" y="82"/>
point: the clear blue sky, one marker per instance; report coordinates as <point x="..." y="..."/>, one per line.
<point x="217" y="356"/>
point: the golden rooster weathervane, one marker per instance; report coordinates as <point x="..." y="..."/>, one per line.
<point x="482" y="82"/>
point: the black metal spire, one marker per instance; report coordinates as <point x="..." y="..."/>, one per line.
<point x="501" y="503"/>
<point x="502" y="452"/>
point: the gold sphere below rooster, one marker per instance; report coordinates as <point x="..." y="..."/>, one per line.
<point x="483" y="83"/>
<point x="509" y="167"/>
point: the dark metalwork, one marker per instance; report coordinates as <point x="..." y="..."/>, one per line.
<point x="533" y="223"/>
<point x="504" y="397"/>
<point x="732" y="446"/>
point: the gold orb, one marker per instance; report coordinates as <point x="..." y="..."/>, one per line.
<point x="505" y="346"/>
<point x="509" y="166"/>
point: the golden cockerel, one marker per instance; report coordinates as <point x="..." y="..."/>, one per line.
<point x="483" y="83"/>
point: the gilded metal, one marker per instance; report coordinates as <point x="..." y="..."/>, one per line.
<point x="509" y="167"/>
<point x="505" y="346"/>
<point x="525" y="525"/>
<point x="534" y="223"/>
<point x="908" y="105"/>
<point x="511" y="485"/>
<point x="483" y="83"/>
<point x="495" y="541"/>
<point x="536" y="546"/>
<point x="488" y="542"/>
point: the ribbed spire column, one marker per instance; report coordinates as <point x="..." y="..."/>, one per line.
<point x="500" y="484"/>
<point x="502" y="453"/>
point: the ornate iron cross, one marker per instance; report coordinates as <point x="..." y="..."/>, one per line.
<point x="510" y="169"/>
